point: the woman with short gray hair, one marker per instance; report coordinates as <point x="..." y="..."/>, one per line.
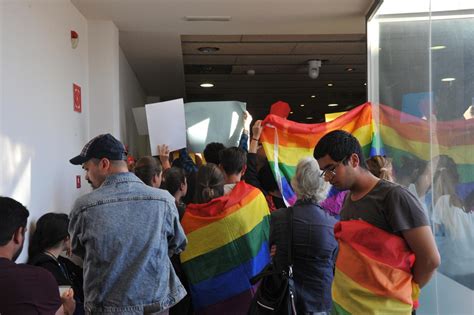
<point x="314" y="245"/>
<point x="307" y="182"/>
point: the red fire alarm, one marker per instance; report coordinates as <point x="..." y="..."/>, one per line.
<point x="77" y="98"/>
<point x="78" y="181"/>
<point x="74" y="39"/>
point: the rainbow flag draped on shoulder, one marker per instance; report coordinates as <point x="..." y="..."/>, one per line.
<point x="373" y="271"/>
<point x="227" y="246"/>
<point x="286" y="142"/>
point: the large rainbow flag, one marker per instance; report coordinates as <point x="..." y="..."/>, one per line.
<point x="227" y="246"/>
<point x="406" y="135"/>
<point x="369" y="280"/>
<point x="397" y="134"/>
<point x="286" y="142"/>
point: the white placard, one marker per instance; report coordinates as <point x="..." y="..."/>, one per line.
<point x="213" y="122"/>
<point x="166" y="124"/>
<point x="139" y="114"/>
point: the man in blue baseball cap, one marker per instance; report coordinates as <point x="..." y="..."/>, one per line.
<point x="125" y="231"/>
<point x="101" y="156"/>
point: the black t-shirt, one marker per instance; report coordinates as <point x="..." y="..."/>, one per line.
<point x="387" y="206"/>
<point x="27" y="290"/>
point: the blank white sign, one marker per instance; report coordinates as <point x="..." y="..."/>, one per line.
<point x="213" y="122"/>
<point x="166" y="124"/>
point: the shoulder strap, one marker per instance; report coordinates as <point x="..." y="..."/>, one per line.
<point x="290" y="236"/>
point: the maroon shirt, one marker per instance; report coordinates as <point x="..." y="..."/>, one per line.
<point x="27" y="290"/>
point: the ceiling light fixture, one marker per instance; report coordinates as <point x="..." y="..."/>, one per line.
<point x="365" y="83"/>
<point x="448" y="79"/>
<point x="439" y="47"/>
<point x="208" y="50"/>
<point x="291" y="112"/>
<point x="309" y="117"/>
<point x="350" y="69"/>
<point x="302" y="105"/>
<point x="313" y="96"/>
<point x="250" y="72"/>
<point x="206" y="85"/>
<point x="313" y="68"/>
<point x="333" y="105"/>
<point x="207" y="18"/>
<point x="330" y="84"/>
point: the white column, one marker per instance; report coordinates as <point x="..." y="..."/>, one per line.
<point x="104" y="78"/>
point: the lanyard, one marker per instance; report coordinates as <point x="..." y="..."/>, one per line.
<point x="61" y="267"/>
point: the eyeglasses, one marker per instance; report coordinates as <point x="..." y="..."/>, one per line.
<point x="330" y="172"/>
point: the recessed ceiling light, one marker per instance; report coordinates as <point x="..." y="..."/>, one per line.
<point x="330" y="84"/>
<point x="313" y="96"/>
<point x="350" y="69"/>
<point x="333" y="105"/>
<point x="208" y="49"/>
<point x="309" y="117"/>
<point x="448" y="79"/>
<point x="206" y="85"/>
<point x="365" y="83"/>
<point x="439" y="47"/>
<point x="302" y="105"/>
<point x="291" y="112"/>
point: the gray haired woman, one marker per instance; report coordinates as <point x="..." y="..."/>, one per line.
<point x="314" y="245"/>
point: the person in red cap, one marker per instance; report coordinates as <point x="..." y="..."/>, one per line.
<point x="281" y="109"/>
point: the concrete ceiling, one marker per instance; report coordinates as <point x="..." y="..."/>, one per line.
<point x="275" y="38"/>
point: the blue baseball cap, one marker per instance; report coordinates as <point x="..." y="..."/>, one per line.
<point x="102" y="146"/>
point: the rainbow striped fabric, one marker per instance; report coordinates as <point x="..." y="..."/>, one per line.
<point x="227" y="245"/>
<point x="373" y="271"/>
<point x="286" y="142"/>
<point x="405" y="135"/>
<point x="397" y="134"/>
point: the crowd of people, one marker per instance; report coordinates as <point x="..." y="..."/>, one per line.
<point x="180" y="236"/>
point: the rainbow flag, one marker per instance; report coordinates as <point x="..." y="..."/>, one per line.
<point x="227" y="246"/>
<point x="406" y="135"/>
<point x="373" y="271"/>
<point x="286" y="142"/>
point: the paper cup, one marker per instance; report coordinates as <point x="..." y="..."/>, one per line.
<point x="63" y="288"/>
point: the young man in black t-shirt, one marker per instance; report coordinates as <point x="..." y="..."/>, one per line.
<point x="385" y="206"/>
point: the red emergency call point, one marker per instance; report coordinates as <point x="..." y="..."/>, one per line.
<point x="78" y="181"/>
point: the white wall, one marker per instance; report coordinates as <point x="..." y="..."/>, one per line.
<point x="39" y="131"/>
<point x="131" y="95"/>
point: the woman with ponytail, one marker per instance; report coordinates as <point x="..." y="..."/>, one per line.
<point x="48" y="241"/>
<point x="453" y="224"/>
<point x="381" y="166"/>
<point x="227" y="243"/>
<point x="210" y="183"/>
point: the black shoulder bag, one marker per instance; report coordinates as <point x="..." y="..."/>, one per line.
<point x="276" y="293"/>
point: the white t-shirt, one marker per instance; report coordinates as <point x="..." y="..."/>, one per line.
<point x="228" y="188"/>
<point x="412" y="188"/>
<point x="455" y="237"/>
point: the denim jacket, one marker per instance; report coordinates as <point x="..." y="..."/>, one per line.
<point x="126" y="233"/>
